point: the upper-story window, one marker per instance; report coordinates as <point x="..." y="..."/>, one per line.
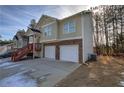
<point x="69" y="27"/>
<point x="47" y="31"/>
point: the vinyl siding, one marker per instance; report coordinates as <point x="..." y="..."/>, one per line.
<point x="53" y="32"/>
<point x="77" y="20"/>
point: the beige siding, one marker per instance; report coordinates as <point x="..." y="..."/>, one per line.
<point x="37" y="35"/>
<point x="53" y="33"/>
<point x="57" y="28"/>
<point x="87" y="35"/>
<point x="47" y="21"/>
<point x="77" y="33"/>
<point x="29" y="32"/>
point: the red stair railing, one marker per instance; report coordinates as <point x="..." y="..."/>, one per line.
<point x="25" y="50"/>
<point x="21" y="52"/>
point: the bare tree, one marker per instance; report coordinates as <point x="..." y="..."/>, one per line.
<point x="108" y="29"/>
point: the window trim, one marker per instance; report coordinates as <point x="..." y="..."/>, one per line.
<point x="48" y="32"/>
<point x="68" y="27"/>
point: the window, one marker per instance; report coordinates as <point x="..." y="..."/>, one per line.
<point x="66" y="27"/>
<point x="69" y="27"/>
<point x="47" y="31"/>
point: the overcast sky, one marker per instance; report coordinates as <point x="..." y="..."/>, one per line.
<point x="13" y="18"/>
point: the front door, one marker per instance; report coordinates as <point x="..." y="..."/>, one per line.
<point x="31" y="39"/>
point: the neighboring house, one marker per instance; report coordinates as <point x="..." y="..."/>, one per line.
<point x="34" y="37"/>
<point x="6" y="48"/>
<point x="68" y="39"/>
<point x="20" y="39"/>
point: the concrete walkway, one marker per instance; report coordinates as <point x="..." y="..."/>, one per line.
<point x="40" y="72"/>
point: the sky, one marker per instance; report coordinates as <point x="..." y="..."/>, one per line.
<point x="15" y="17"/>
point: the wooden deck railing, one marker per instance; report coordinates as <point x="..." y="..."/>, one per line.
<point x="25" y="50"/>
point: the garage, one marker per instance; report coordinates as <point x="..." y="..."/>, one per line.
<point x="50" y="52"/>
<point x="69" y="53"/>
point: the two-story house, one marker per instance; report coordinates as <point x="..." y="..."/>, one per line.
<point x="68" y="39"/>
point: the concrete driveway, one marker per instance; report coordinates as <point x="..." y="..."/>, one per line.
<point x="40" y="72"/>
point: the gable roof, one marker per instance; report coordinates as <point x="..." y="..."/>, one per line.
<point x="49" y="17"/>
<point x="82" y="12"/>
<point x="45" y="16"/>
<point x="21" y="34"/>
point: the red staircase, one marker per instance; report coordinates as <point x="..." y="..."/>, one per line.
<point x="20" y="53"/>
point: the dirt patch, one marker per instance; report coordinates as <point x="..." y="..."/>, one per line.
<point x="105" y="72"/>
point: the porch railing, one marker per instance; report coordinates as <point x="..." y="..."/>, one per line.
<point x="18" y="54"/>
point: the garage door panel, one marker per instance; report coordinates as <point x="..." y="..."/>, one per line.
<point x="69" y="53"/>
<point x="50" y="52"/>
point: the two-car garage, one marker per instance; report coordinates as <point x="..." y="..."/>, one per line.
<point x="67" y="52"/>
